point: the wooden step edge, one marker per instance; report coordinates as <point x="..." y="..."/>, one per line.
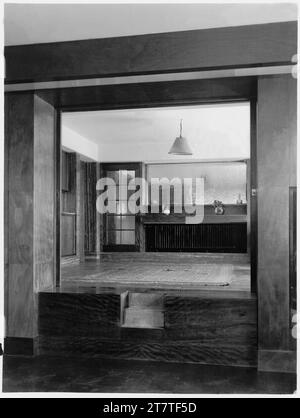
<point x="145" y="309"/>
<point x="140" y="327"/>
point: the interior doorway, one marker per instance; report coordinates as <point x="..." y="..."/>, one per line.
<point x="221" y="134"/>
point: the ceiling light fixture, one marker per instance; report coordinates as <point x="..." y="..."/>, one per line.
<point x="180" y="145"/>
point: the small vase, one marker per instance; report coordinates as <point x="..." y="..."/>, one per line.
<point x="219" y="210"/>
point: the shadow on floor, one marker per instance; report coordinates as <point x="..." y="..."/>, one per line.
<point x="60" y="374"/>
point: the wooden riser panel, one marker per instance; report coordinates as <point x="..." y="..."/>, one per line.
<point x="174" y="352"/>
<point x="216" y="321"/>
<point x="79" y="314"/>
<point x="197" y="330"/>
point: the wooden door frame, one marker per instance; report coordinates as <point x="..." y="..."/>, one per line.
<point x="247" y="95"/>
<point x="253" y="195"/>
<point x="57" y="182"/>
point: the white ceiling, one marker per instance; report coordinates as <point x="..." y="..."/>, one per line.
<point x="38" y="23"/>
<point x="213" y="131"/>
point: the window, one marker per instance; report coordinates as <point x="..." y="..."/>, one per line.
<point x="224" y="181"/>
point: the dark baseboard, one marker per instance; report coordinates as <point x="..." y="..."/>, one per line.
<point x="15" y="346"/>
<point x="277" y="361"/>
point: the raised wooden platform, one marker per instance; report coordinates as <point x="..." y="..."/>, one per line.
<point x="94" y="314"/>
<point x="159" y="271"/>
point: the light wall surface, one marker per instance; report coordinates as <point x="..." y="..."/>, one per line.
<point x="214" y="132"/>
<point x="73" y="142"/>
<point x="67" y="22"/>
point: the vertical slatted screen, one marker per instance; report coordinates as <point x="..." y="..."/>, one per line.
<point x="230" y="238"/>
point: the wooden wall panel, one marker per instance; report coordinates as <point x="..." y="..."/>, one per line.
<point x="171" y="351"/>
<point x="68" y="235"/>
<point x="276" y="160"/>
<point x="44" y="193"/>
<point x="29" y="135"/>
<point x="154" y="53"/>
<point x="221" y="322"/>
<point x="152" y="94"/>
<point x="19" y="133"/>
<point x="64" y="314"/>
<point x="198" y="329"/>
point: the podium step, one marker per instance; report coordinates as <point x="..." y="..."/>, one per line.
<point x="145" y="300"/>
<point x="137" y="317"/>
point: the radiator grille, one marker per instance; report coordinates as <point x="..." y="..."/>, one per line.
<point x="200" y="237"/>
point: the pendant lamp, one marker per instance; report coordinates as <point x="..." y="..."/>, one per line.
<point x="180" y="145"/>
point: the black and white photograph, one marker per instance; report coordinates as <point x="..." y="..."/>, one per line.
<point x="148" y="211"/>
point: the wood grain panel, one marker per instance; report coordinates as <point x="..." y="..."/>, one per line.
<point x="44" y="275"/>
<point x="19" y="130"/>
<point x="44" y="194"/>
<point x="186" y="352"/>
<point x="68" y="235"/>
<point x="22" y="303"/>
<point x="79" y="315"/>
<point x="218" y="321"/>
<point x="20" y="346"/>
<point x="273" y="231"/>
<point x="185" y="50"/>
<point x="19" y="134"/>
<point x="277" y="361"/>
<point x="29" y="133"/>
<point x="293" y="247"/>
<point x="276" y="155"/>
<point x="152" y="94"/>
<point x="197" y="329"/>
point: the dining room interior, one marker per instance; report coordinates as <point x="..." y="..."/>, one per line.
<point x="151" y="195"/>
<point x="155" y="249"/>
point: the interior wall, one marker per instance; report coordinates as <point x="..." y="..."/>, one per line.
<point x="276" y="163"/>
<point x="73" y="142"/>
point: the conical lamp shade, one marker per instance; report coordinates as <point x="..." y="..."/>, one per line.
<point x="181" y="147"/>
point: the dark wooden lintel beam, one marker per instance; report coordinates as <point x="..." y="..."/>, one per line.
<point x="218" y="48"/>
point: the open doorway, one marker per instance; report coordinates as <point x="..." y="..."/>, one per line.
<point x="157" y="249"/>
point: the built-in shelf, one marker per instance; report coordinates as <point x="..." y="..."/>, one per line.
<point x="210" y="219"/>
